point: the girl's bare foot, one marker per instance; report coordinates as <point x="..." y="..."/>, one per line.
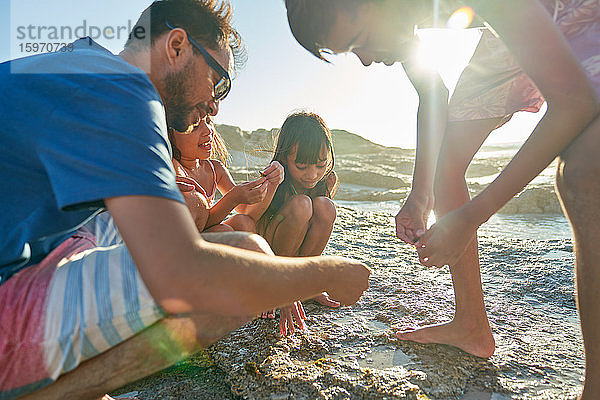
<point x="268" y="314"/>
<point x="476" y="340"/>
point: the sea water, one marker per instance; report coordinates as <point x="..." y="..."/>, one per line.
<point x="518" y="226"/>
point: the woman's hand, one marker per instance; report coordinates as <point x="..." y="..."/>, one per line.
<point x="250" y="192"/>
<point x="411" y="220"/>
<point x="287" y="315"/>
<point x="273" y="173"/>
<point x="446" y="241"/>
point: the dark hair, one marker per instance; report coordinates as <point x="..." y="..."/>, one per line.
<point x="308" y="131"/>
<point x="311" y="20"/>
<point x="207" y="21"/>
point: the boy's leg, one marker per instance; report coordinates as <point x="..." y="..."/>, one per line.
<point x="469" y="330"/>
<point x="579" y="189"/>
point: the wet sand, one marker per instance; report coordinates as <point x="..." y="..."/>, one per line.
<point x="351" y="353"/>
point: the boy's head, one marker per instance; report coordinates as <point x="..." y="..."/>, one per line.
<point x="372" y="29"/>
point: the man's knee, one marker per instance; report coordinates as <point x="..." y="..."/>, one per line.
<point x="242" y="240"/>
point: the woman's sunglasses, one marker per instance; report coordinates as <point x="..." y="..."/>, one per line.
<point x="223" y="86"/>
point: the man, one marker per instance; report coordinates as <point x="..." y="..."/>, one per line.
<point x="545" y="49"/>
<point x="102" y="299"/>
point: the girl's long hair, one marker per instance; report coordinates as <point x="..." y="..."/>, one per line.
<point x="309" y="132"/>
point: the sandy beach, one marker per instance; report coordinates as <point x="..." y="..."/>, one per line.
<point x="352" y="353"/>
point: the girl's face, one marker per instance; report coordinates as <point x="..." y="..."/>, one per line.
<point x="306" y="176"/>
<point x="198" y="143"/>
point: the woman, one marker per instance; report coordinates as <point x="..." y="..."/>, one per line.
<point x="547" y="44"/>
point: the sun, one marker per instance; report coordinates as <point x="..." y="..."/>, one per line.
<point x="447" y="51"/>
<point x="461" y="18"/>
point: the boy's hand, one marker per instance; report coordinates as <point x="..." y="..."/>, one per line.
<point x="273" y="173"/>
<point x="250" y="192"/>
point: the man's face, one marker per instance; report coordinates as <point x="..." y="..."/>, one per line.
<point x="189" y="92"/>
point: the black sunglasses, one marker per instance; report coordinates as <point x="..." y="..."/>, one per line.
<point x="223" y="86"/>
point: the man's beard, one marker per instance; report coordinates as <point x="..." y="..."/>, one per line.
<point x="177" y="108"/>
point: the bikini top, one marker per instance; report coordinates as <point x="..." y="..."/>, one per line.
<point x="187" y="180"/>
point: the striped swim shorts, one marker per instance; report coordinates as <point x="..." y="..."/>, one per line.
<point x="85" y="297"/>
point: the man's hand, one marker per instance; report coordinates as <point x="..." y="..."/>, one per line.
<point x="411" y="220"/>
<point x="349" y="280"/>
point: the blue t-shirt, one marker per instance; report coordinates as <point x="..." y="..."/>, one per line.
<point x="76" y="127"/>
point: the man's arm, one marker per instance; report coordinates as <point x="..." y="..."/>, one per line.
<point x="184" y="273"/>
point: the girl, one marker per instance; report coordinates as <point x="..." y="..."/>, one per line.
<point x="299" y="219"/>
<point x="199" y="177"/>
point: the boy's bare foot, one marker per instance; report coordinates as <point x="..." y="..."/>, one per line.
<point x="478" y="341"/>
<point x="324" y="300"/>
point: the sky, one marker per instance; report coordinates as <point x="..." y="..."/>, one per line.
<point x="376" y="102"/>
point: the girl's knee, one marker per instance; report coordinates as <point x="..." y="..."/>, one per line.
<point x="300" y="208"/>
<point x="241" y="222"/>
<point x="324" y="209"/>
<point x="219" y="228"/>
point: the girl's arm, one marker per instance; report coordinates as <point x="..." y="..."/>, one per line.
<point x="274" y="176"/>
<point x="432" y="114"/>
<point x="233" y="195"/>
<point x="541" y="50"/>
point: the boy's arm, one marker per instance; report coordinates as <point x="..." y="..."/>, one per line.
<point x="431" y="125"/>
<point x="572" y="104"/>
<point x="185" y="274"/>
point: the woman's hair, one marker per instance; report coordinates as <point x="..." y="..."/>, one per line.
<point x="308" y="131"/>
<point x="218" y="152"/>
<point x="311" y="20"/>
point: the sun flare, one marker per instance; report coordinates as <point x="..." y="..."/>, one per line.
<point x="461" y="18"/>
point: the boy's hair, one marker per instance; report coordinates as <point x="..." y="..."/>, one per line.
<point x="218" y="152"/>
<point x="311" y="20"/>
<point x="309" y="132"/>
<point x="207" y="21"/>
